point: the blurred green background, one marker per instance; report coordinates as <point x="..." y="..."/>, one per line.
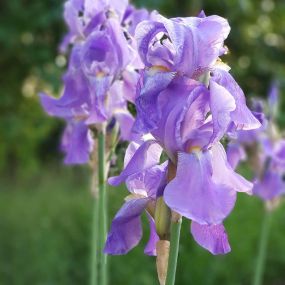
<point x="45" y="207"/>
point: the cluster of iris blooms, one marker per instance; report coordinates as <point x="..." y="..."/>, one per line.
<point x="186" y="102"/>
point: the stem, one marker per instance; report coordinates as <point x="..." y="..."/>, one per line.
<point x="94" y="243"/>
<point x="259" y="269"/>
<point x="102" y="206"/>
<point x="173" y="254"/>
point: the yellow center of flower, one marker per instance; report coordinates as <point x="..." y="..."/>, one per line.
<point x="194" y="149"/>
<point x="100" y="74"/>
<point x="158" y="68"/>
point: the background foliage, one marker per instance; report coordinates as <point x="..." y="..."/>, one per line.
<point x="45" y="208"/>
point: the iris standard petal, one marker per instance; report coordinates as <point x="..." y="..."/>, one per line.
<point x="148" y="113"/>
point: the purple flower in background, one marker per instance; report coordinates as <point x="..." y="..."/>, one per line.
<point x="187" y="117"/>
<point x="101" y="75"/>
<point x="264" y="149"/>
<point x="84" y="16"/>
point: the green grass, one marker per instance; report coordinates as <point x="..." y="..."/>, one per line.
<point x="45" y="234"/>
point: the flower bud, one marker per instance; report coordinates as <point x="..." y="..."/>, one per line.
<point x="162" y="218"/>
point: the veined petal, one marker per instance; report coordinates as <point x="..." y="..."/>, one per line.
<point x="126" y="229"/>
<point x="211" y="237"/>
<point x="147" y="155"/>
<point x="194" y="194"/>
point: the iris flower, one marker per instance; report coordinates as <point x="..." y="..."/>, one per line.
<point x="187" y="100"/>
<point x="101" y="76"/>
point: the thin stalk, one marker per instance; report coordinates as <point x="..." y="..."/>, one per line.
<point x="102" y="207"/>
<point x="262" y="252"/>
<point x="174" y="248"/>
<point x="94" y="243"/>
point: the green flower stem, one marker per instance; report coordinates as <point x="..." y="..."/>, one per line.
<point x="174" y="248"/>
<point x="260" y="262"/>
<point x="94" y="242"/>
<point x="102" y="207"/>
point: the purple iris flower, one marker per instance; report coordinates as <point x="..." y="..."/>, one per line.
<point x="83" y="16"/>
<point x="126" y="229"/>
<point x="101" y="76"/>
<point x="187" y="118"/>
<point x="264" y="149"/>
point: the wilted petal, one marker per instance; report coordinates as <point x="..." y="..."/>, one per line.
<point x="147" y="155"/>
<point x="194" y="194"/>
<point x="224" y="174"/>
<point x="211" y="237"/>
<point x="126" y="229"/>
<point x="150" y="248"/>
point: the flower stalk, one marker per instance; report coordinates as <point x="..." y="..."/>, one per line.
<point x="174" y="248"/>
<point x="94" y="245"/>
<point x="262" y="252"/>
<point x="102" y="206"/>
<point x="176" y="221"/>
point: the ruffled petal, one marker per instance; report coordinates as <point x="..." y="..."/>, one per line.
<point x="144" y="34"/>
<point x="126" y="228"/>
<point x="148" y="113"/>
<point x="194" y="194"/>
<point x="214" y="238"/>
